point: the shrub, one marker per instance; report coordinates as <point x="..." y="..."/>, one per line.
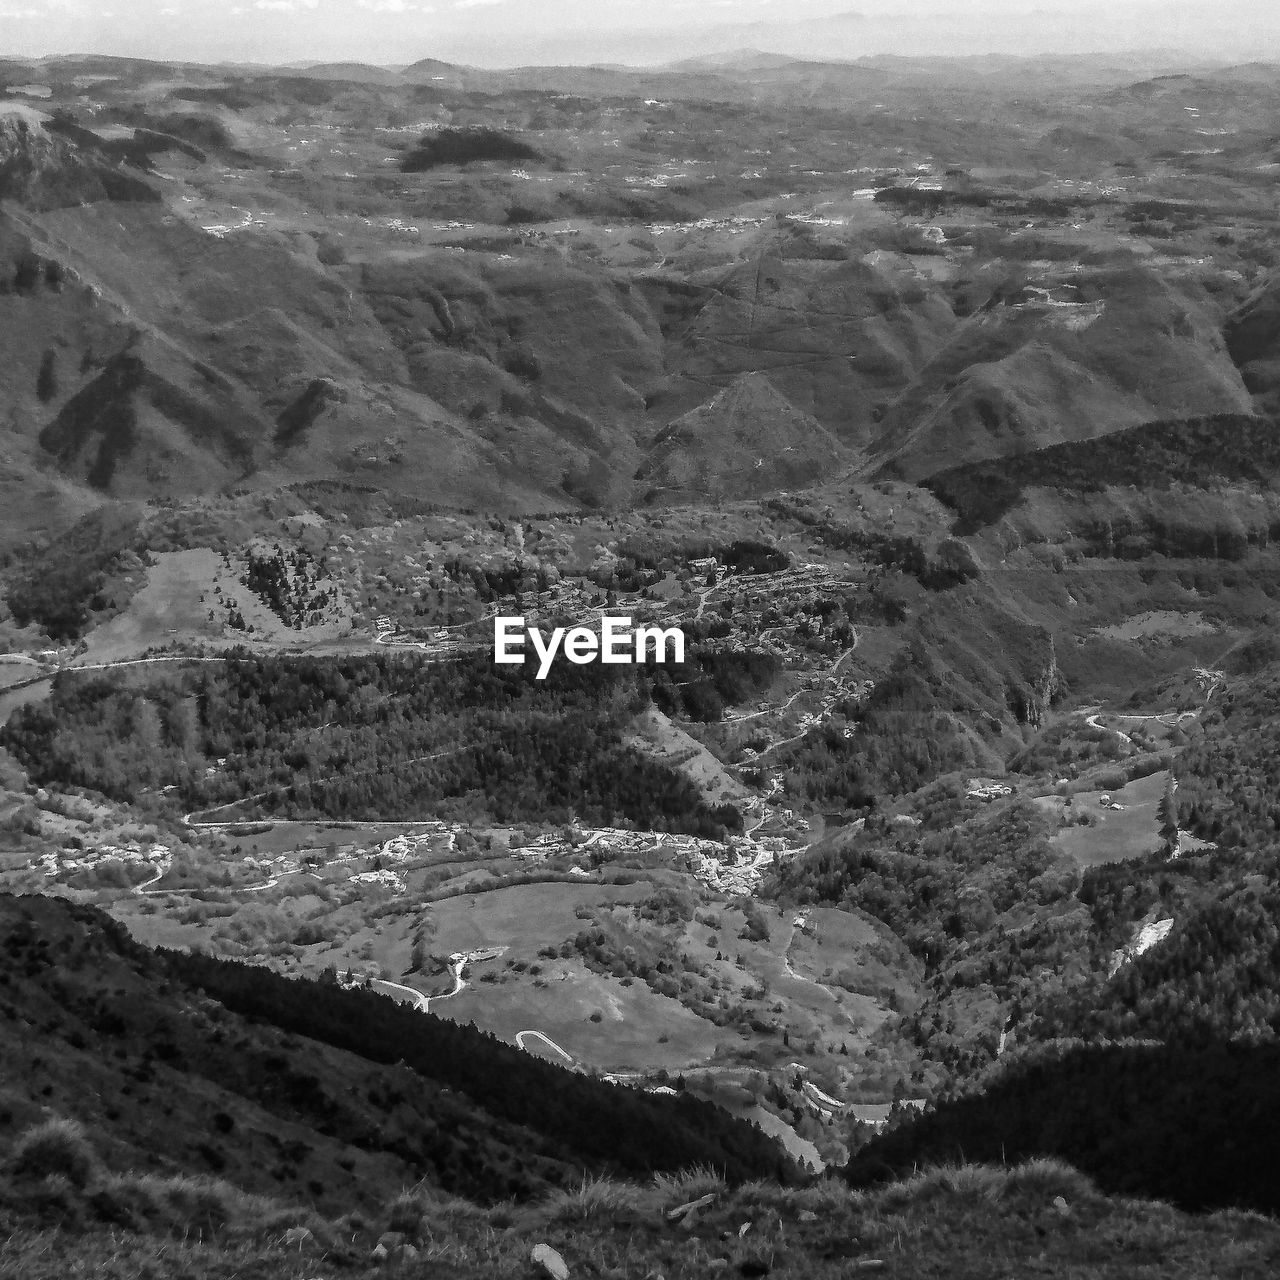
<point x="56" y="1148"/>
<point x="592" y="1198"/>
<point x="47" y="378"/>
<point x="971" y="1182"/>
<point x="408" y="1214"/>
<point x="1047" y="1176"/>
<point x="689" y="1184"/>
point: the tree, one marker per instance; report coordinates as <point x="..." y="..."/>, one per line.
<point x="47" y="378"/>
<point x="1169" y="818"/>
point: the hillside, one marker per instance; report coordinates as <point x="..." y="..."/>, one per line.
<point x="709" y="450"/>
<point x="1253" y="339"/>
<point x="1171" y="457"/>
<point x="220" y="1142"/>
<point x="1187" y="1124"/>
<point x="342" y="1097"/>
<point x="1065" y="356"/>
<point x="498" y="289"/>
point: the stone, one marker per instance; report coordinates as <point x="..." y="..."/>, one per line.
<point x="380" y="1253"/>
<point x="807" y="1215"/>
<point x="1062" y="1207"/>
<point x="297" y="1235"/>
<point x="681" y="1211"/>
<point x="550" y="1261"/>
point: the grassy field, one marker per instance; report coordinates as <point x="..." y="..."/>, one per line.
<point x="1117" y="835"/>
<point x="854" y="953"/>
<point x="523" y="918"/>
<point x="637" y="1030"/>
<point x="182" y="588"/>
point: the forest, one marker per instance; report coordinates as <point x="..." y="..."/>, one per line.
<point x="70" y="580"/>
<point x="1228" y="786"/>
<point x="1217" y="974"/>
<point x="943" y="693"/>
<point x="978" y="895"/>
<point x="702" y="687"/>
<point x="464" y="145"/>
<point x="1193" y="1124"/>
<point x="366" y="737"/>
<point x="1157" y="455"/>
<point x="604" y="1126"/>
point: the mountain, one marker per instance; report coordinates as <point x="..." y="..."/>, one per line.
<point x="838" y="336"/>
<point x="1078" y="354"/>
<point x="708" y="451"/>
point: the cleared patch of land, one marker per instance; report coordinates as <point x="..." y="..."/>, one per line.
<point x="1158" y="625"/>
<point x="1115" y="835"/>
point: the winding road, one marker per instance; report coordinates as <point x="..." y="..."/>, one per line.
<point x="416" y="998"/>
<point x="458" y="986"/>
<point x="551" y="1044"/>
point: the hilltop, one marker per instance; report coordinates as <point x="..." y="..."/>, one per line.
<point x="708" y="451"/>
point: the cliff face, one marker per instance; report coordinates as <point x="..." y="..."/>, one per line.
<point x="1045" y="688"/>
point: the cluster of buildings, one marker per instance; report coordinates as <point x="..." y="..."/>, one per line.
<point x="988" y="791"/>
<point x="413" y="844"/>
<point x="155" y="857"/>
<point x="381" y="879"/>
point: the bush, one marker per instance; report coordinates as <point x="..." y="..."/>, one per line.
<point x="1047" y="1176"/>
<point x="592" y="1198"/>
<point x="56" y="1148"/>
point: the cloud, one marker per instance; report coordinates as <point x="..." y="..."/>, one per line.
<point x="394" y="6"/>
<point x="286" y="6"/>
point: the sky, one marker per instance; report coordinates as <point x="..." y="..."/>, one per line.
<point x="513" y="32"/>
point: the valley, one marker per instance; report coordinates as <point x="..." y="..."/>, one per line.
<point x="934" y="405"/>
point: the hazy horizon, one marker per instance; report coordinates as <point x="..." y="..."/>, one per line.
<point x="513" y="32"/>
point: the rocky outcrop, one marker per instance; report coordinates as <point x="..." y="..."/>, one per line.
<point x="42" y="170"/>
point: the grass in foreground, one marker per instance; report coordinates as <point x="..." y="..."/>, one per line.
<point x="63" y="1215"/>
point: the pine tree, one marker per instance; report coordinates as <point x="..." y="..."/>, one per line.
<point x="47" y="378"/>
<point x="1169" y="817"/>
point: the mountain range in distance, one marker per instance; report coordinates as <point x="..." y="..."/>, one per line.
<point x="1188" y="29"/>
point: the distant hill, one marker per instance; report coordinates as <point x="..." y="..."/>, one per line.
<point x="1071" y="355"/>
<point x="1199" y="452"/>
<point x="746" y="440"/>
<point x="734" y="60"/>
